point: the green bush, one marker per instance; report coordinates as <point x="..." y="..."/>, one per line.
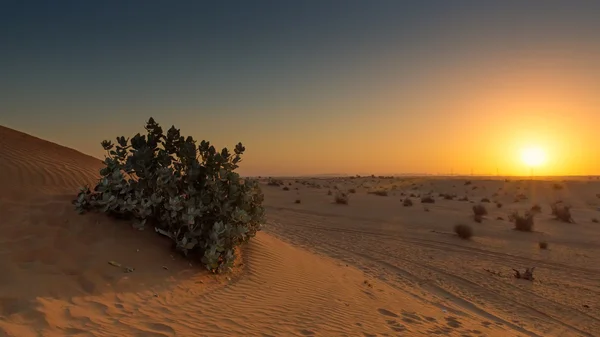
<point x="188" y="193"/>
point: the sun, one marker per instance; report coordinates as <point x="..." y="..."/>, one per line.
<point x="533" y="156"/>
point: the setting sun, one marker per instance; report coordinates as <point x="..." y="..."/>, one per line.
<point x="533" y="156"/>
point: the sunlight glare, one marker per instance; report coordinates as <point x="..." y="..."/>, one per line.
<point x="533" y="156"/>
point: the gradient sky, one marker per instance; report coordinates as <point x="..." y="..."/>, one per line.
<point x="315" y="86"/>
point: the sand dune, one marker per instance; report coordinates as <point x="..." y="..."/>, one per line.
<point x="370" y="268"/>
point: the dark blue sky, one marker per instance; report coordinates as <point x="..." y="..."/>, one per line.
<point x="256" y="67"/>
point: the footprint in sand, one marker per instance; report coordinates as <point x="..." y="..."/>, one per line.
<point x="395" y="325"/>
<point x="453" y="322"/>
<point x="307" y="332"/>
<point x="411" y="318"/>
<point x="387" y="312"/>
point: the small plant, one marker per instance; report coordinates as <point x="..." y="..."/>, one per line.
<point x="479" y="210"/>
<point x="594" y="220"/>
<point x="352" y="190"/>
<point x="341" y="198"/>
<point x="427" y="200"/>
<point x="286" y="188"/>
<point x="187" y="192"/>
<point x="543" y="245"/>
<point x="407" y="202"/>
<point x="523" y="223"/>
<point x="274" y="182"/>
<point x="381" y="193"/>
<point x="485" y="200"/>
<point x="557" y="187"/>
<point x="478" y="218"/>
<point x="329" y="192"/>
<point x="562" y="212"/>
<point x="463" y="231"/>
<point x="297" y="201"/>
<point x="499" y="204"/>
<point x="536" y="208"/>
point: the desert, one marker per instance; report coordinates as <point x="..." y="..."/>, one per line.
<point x="299" y="168"/>
<point x="370" y="267"/>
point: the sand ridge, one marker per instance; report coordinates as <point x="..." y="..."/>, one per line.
<point x="371" y="268"/>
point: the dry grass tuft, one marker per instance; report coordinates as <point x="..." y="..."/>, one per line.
<point x="479" y="210"/>
<point x="341" y="198"/>
<point x="427" y="200"/>
<point x="463" y="231"/>
<point x="562" y="211"/>
<point x="523" y="223"/>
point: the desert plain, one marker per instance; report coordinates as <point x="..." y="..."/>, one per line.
<point x="371" y="267"/>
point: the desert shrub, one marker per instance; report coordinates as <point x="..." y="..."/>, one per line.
<point x="463" y="231"/>
<point x="479" y="210"/>
<point x="523" y="223"/>
<point x="274" y="182"/>
<point x="297" y="201"/>
<point x="465" y="198"/>
<point x="561" y="211"/>
<point x="407" y="202"/>
<point x="485" y="200"/>
<point x="188" y="193"/>
<point x="427" y="200"/>
<point x="499" y="205"/>
<point x="341" y="198"/>
<point x="381" y="193"/>
<point x="352" y="190"/>
<point x="478" y="218"/>
<point x="594" y="220"/>
<point x="536" y="208"/>
<point x="286" y="188"/>
<point x="557" y="186"/>
<point x="543" y="245"/>
<point x="329" y="192"/>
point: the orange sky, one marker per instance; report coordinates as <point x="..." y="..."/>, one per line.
<point x="382" y="89"/>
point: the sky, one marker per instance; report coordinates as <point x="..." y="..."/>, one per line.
<point x="315" y="87"/>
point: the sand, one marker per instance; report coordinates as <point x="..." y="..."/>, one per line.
<point x="369" y="268"/>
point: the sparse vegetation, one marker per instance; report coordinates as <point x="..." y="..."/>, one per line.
<point x="463" y="231"/>
<point x="297" y="201"/>
<point x="274" y="182"/>
<point x="499" y="204"/>
<point x="543" y="245"/>
<point x="352" y="190"/>
<point x="341" y="198"/>
<point x="485" y="200"/>
<point x="186" y="192"/>
<point x="427" y="200"/>
<point x="407" y="202"/>
<point x="479" y="210"/>
<point x="381" y="193"/>
<point x="562" y="212"/>
<point x="286" y="188"/>
<point x="595" y="220"/>
<point x="536" y="208"/>
<point x="523" y="223"/>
